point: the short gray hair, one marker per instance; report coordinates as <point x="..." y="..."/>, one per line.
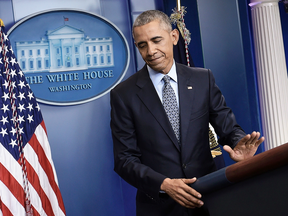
<point x="152" y="15"/>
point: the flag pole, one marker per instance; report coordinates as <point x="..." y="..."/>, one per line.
<point x="178" y="18"/>
<point x="1" y="23"/>
<point x="178" y="3"/>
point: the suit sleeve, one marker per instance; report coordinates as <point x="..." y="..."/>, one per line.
<point x="222" y="118"/>
<point x="127" y="155"/>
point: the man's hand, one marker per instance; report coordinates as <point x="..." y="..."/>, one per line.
<point x="178" y="190"/>
<point x="245" y="148"/>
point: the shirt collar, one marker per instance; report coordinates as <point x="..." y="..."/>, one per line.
<point x="156" y="77"/>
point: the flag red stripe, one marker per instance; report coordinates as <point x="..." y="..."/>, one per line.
<point x="35" y="182"/>
<point x="4" y="209"/>
<point x="44" y="162"/>
<point x="44" y="127"/>
<point x="35" y="213"/>
<point x="11" y="183"/>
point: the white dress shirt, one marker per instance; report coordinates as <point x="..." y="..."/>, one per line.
<point x="156" y="78"/>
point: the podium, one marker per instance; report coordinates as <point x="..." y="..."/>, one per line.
<point x="256" y="187"/>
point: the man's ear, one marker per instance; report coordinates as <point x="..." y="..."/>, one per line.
<point x="175" y="36"/>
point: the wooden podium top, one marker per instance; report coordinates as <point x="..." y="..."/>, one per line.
<point x="261" y="163"/>
<point x="258" y="164"/>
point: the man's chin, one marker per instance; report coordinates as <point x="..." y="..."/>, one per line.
<point x="155" y="67"/>
<point x="159" y="65"/>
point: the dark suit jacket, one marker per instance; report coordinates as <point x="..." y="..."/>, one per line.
<point x="146" y="150"/>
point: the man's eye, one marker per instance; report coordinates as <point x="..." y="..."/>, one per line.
<point x="157" y="41"/>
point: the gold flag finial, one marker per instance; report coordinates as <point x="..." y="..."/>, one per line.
<point x="1" y="23"/>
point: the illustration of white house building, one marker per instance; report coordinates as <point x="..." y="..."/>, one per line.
<point x="65" y="49"/>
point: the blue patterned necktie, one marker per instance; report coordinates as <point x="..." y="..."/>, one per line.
<point x="170" y="105"/>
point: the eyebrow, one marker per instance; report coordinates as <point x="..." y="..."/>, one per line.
<point x="157" y="37"/>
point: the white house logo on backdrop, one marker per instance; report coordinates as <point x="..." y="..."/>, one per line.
<point x="69" y="57"/>
<point x="65" y="49"/>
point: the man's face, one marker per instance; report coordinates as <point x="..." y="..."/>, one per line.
<point x="155" y="45"/>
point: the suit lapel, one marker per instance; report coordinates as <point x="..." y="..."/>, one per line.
<point x="150" y="98"/>
<point x="186" y="96"/>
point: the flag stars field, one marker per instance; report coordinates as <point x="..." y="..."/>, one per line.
<point x="5" y="96"/>
<point x="5" y="83"/>
<point x="4" y="120"/>
<point x="13" y="72"/>
<point x="5" y="108"/>
<point x="12" y="61"/>
<point x="3" y="132"/>
<point x="30" y="118"/>
<point x="21" y="107"/>
<point x="30" y="95"/>
<point x="13" y="143"/>
<point x="13" y="131"/>
<point x="21" y="84"/>
<point x="21" y="96"/>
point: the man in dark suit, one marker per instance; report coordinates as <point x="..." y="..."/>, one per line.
<point x="162" y="159"/>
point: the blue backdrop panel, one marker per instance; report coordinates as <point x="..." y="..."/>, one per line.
<point x="80" y="136"/>
<point x="222" y="39"/>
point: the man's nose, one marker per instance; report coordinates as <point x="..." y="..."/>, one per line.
<point x="151" y="50"/>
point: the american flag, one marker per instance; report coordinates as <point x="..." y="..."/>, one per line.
<point x="28" y="181"/>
